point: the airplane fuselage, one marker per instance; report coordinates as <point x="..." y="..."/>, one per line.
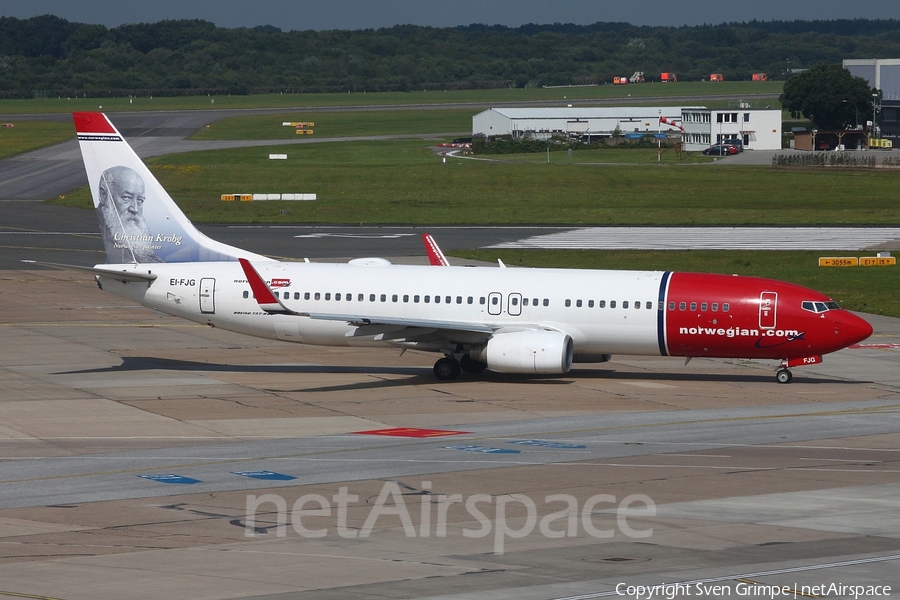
<point x="604" y="312"/>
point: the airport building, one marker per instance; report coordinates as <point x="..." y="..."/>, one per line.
<point x="586" y="122"/>
<point x="882" y="74"/>
<point x="755" y="128"/>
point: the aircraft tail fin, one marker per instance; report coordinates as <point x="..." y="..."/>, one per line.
<point x="139" y="221"/>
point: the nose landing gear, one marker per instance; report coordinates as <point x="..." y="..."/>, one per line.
<point x="783" y="375"/>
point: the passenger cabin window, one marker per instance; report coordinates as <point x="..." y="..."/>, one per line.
<point x="725" y="307"/>
<point x="578" y="303"/>
<point x="703" y="306"/>
<point x="568" y="303"/>
<point x="682" y="306"/>
<point x="306" y="296"/>
<point x="693" y="306"/>
<point x="602" y="304"/>
<point x="625" y="304"/>
<point x="715" y="306"/>
<point x="546" y="302"/>
<point x="246" y="294"/>
<point x="612" y="303"/>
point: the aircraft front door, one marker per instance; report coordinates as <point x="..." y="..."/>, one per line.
<point x="767" y="303"/>
<point x="208" y="295"/>
<point x="495" y="303"/>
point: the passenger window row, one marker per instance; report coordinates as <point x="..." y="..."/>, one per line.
<point x="704" y="306"/>
<point x="416" y="298"/>
<point x="612" y="304"/>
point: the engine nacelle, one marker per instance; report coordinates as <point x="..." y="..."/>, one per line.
<point x="528" y="352"/>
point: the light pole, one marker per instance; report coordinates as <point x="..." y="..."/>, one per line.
<point x="874" y="113"/>
<point x="854" y="106"/>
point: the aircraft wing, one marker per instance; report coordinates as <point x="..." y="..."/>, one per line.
<point x="404" y="322"/>
<point x="270" y="303"/>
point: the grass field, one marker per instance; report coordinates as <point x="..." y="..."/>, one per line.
<point x="658" y="93"/>
<point x="31" y="135"/>
<point x="341" y="124"/>
<point x="402" y="181"/>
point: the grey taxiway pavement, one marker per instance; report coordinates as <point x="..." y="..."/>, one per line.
<point x="146" y="457"/>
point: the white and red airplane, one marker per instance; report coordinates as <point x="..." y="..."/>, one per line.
<point x="507" y="320"/>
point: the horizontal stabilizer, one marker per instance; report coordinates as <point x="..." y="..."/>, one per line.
<point x="124" y="275"/>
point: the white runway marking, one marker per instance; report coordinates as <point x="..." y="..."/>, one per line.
<point x="711" y="238"/>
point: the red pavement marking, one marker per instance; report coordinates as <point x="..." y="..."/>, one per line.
<point x="411" y="432"/>
<point x="893" y="345"/>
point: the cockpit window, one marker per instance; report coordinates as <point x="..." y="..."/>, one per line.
<point x="819" y="307"/>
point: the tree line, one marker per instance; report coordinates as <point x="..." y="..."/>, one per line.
<point x="48" y="55"/>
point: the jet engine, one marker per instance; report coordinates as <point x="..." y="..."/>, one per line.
<point x="528" y="352"/>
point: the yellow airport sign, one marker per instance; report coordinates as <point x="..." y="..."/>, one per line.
<point x="838" y="261"/>
<point x="877" y="261"/>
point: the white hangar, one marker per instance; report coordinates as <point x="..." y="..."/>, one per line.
<point x="542" y="123"/>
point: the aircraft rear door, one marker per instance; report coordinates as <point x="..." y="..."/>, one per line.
<point x="208" y="295"/>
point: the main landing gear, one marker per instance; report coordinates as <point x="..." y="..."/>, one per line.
<point x="449" y="368"/>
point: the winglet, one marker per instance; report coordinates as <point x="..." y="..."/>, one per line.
<point x="264" y="296"/>
<point x="435" y="256"/>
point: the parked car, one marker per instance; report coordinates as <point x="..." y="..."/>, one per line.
<point x="721" y="150"/>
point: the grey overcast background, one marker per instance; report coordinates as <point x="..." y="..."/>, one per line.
<point x="361" y="14"/>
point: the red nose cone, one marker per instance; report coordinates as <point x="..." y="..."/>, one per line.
<point x="851" y="329"/>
